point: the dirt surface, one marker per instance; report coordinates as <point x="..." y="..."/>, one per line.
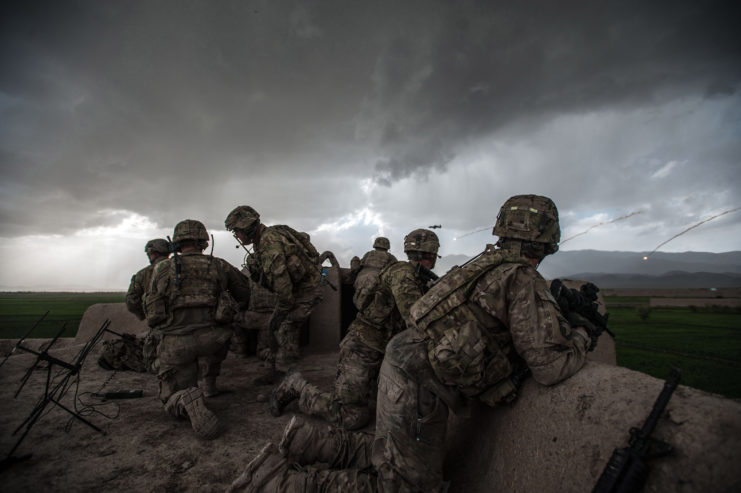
<point x="143" y="449"/>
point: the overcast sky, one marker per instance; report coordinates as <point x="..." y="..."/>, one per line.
<point x="350" y="119"/>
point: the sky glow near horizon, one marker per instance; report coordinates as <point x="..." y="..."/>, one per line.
<point x="350" y="121"/>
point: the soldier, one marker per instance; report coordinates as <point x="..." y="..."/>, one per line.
<point x="157" y="250"/>
<point x="130" y="352"/>
<point x="383" y="314"/>
<point x="477" y="332"/>
<point x="286" y="263"/>
<point x="191" y="306"/>
<point x="366" y="271"/>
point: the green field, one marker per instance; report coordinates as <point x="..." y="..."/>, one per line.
<point x="20" y="311"/>
<point x="704" y="344"/>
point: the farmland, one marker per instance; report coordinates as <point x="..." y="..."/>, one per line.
<point x="20" y="311"/>
<point x="705" y="341"/>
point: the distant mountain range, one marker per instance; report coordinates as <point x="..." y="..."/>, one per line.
<point x="629" y="269"/>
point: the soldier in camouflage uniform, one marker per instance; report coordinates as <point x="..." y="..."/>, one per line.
<point x="127" y="353"/>
<point x="477" y="332"/>
<point x="286" y="263"/>
<point x="191" y="305"/>
<point x="384" y="311"/>
<point x="157" y="250"/>
<point x="366" y="271"/>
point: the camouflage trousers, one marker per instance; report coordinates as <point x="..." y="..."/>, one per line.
<point x="350" y="404"/>
<point x="411" y="421"/>
<point x="123" y="354"/>
<point x="288" y="334"/>
<point x="249" y="322"/>
<point x="313" y="458"/>
<point x="186" y="361"/>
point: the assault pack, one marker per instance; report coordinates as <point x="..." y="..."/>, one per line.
<point x="467" y="347"/>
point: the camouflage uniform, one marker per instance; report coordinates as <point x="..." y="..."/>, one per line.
<point x="362" y="349"/>
<point x="366" y="272"/>
<point x="140" y="283"/>
<point x="289" y="270"/>
<point x="130" y="352"/>
<point x="255" y="318"/>
<point x="192" y="319"/>
<point x="475" y="334"/>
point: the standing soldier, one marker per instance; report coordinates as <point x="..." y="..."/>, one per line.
<point x="286" y="263"/>
<point x="384" y="313"/>
<point x="191" y="305"/>
<point x="129" y="352"/>
<point x="477" y="332"/>
<point x="367" y="270"/>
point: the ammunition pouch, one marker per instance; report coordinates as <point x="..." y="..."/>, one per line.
<point x="226" y="308"/>
<point x="155" y="308"/>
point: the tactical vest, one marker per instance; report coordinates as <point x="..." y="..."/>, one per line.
<point x="367" y="279"/>
<point x="467" y="347"/>
<point x="197" y="283"/>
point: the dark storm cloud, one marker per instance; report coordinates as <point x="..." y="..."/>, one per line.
<point x="153" y="106"/>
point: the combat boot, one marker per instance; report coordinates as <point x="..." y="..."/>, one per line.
<point x="202" y="419"/>
<point x="263" y="473"/>
<point x="288" y="391"/>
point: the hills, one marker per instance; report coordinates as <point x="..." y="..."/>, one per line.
<point x="629" y="269"/>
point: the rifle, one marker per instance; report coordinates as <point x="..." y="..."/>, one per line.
<point x="580" y="308"/>
<point x="425" y="274"/>
<point x="627" y="470"/>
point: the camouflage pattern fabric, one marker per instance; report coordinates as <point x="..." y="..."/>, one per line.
<point x="344" y="460"/>
<point x="138" y="287"/>
<point x="123" y="354"/>
<point x="510" y="304"/>
<point x="399" y="287"/>
<point x="255" y="318"/>
<point x="366" y="276"/>
<point x="193" y="343"/>
<point x="348" y="405"/>
<point x="285" y="263"/>
<point x="361" y="351"/>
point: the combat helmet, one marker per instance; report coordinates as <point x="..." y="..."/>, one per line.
<point x="190" y="229"/>
<point x="382" y="242"/>
<point x="243" y="218"/>
<point x="157" y="245"/>
<point x="421" y="240"/>
<point x="530" y="218"/>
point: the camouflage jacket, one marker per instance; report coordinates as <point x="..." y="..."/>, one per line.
<point x="208" y="286"/>
<point x="388" y="312"/>
<point x="492" y="315"/>
<point x="138" y="287"/>
<point x="285" y="265"/>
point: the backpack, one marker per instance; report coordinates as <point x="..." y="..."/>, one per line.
<point x="461" y="348"/>
<point x="302" y="257"/>
<point x="368" y="277"/>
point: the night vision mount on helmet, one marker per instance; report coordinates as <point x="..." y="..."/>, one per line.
<point x="421" y="240"/>
<point x="530" y="218"/>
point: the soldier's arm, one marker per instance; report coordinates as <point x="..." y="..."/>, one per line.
<point x="405" y="288"/>
<point x="552" y="349"/>
<point x="134" y="297"/>
<point x="237" y="283"/>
